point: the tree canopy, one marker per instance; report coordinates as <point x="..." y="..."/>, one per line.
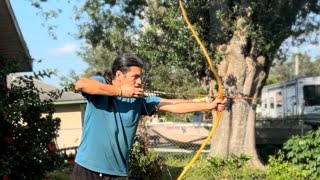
<point x="285" y="70"/>
<point x="156" y="32"/>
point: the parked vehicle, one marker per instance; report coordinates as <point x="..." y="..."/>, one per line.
<point x="298" y="97"/>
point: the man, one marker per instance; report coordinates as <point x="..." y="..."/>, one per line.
<point x="114" y="106"/>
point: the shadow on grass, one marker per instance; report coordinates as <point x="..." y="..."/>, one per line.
<point x="61" y="174"/>
<point x="171" y="172"/>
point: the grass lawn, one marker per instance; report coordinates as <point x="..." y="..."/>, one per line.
<point x="169" y="172"/>
<point x="63" y="173"/>
<point x="175" y="163"/>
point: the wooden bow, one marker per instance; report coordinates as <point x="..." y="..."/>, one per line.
<point x="220" y="92"/>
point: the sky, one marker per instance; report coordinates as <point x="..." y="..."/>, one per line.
<point x="61" y="53"/>
<point x="57" y="54"/>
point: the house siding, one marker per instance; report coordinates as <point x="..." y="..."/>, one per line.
<point x="71" y="124"/>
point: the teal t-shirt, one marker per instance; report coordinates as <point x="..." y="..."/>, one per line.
<point x="109" y="128"/>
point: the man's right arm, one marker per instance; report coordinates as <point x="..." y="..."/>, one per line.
<point x="94" y="87"/>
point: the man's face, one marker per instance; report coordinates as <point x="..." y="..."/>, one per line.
<point x="132" y="77"/>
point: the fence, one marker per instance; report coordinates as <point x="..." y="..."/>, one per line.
<point x="180" y="141"/>
<point x="175" y="140"/>
<point x="184" y="139"/>
<point x="177" y="137"/>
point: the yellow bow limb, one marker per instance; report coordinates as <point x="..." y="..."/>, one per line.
<point x="220" y="92"/>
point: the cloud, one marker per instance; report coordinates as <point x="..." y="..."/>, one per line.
<point x="65" y="49"/>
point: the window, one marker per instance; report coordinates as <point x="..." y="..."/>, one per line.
<point x="279" y="99"/>
<point x="311" y="95"/>
<point x="271" y="100"/>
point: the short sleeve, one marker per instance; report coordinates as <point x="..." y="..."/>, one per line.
<point x="149" y="105"/>
<point x="97" y="78"/>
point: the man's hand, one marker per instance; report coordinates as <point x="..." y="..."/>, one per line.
<point x="219" y="104"/>
<point x="129" y="91"/>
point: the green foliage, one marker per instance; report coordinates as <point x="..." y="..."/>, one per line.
<point x="61" y="174"/>
<point x="176" y="159"/>
<point x="175" y="163"/>
<point x="305" y="152"/>
<point x="98" y="58"/>
<point x="272" y="79"/>
<point x="68" y="83"/>
<point x="168" y="46"/>
<point x="27" y="130"/>
<point x="220" y="168"/>
<point x="299" y="158"/>
<point x="170" y="117"/>
<point x="285" y="71"/>
<point x="144" y="163"/>
<point x="268" y="32"/>
<point x="110" y="23"/>
<point x="279" y="169"/>
<point x="156" y="31"/>
<point x="170" y="80"/>
<point x="165" y="42"/>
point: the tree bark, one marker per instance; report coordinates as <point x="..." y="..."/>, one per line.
<point x="242" y="77"/>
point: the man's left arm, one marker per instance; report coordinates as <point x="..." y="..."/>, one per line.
<point x="187" y="106"/>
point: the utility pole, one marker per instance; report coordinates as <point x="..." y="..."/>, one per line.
<point x="297" y="58"/>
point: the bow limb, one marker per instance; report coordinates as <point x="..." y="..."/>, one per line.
<point x="220" y="92"/>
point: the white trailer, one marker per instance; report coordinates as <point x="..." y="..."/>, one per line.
<point x="300" y="96"/>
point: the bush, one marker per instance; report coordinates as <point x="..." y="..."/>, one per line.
<point x="26" y="135"/>
<point x="144" y="163"/>
<point x="219" y="168"/>
<point x="304" y="152"/>
<point x="279" y="169"/>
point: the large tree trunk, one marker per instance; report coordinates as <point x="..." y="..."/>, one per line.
<point x="242" y="76"/>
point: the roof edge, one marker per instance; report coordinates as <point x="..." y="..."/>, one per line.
<point x="18" y="31"/>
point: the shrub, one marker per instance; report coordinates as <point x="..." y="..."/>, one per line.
<point x="304" y="152"/>
<point x="279" y="169"/>
<point x="220" y="168"/>
<point x="299" y="158"/>
<point x="144" y="163"/>
<point x="26" y="135"/>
